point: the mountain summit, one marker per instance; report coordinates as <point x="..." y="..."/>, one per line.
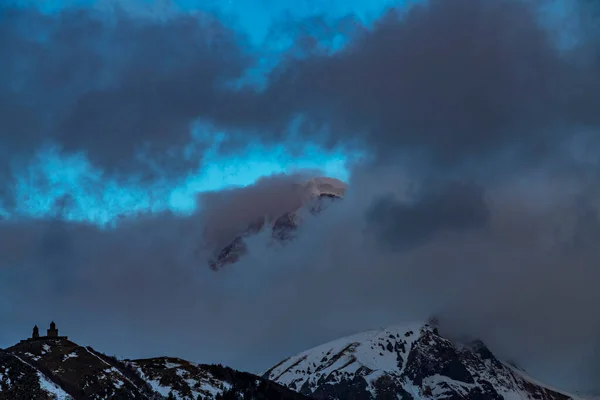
<point x="316" y="193"/>
<point x="409" y="363"/>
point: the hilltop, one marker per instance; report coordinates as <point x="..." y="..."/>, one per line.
<point x="54" y="367"/>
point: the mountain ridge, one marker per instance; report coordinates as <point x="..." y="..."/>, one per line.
<point x="56" y="368"/>
<point x="406" y="362"/>
<point x="410" y="362"/>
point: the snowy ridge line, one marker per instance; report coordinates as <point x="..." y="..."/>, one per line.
<point x="113" y="368"/>
<point x="406" y="361"/>
<point x="95" y="355"/>
<point x="523" y="375"/>
<point x="46" y="383"/>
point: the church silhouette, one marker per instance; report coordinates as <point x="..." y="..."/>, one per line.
<point x="51" y="333"/>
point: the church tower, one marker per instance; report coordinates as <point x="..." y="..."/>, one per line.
<point x="36" y="332"/>
<point x="52" y="332"/>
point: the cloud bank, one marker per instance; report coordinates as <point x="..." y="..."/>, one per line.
<point x="478" y="202"/>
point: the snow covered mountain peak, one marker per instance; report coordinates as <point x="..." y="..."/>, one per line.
<point x="409" y="362"/>
<point x="350" y="353"/>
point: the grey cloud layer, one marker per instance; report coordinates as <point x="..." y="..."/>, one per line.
<point x="521" y="275"/>
<point x="401" y="223"/>
<point x="452" y="80"/>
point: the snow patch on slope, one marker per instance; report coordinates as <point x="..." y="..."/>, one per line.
<point x="169" y="376"/>
<point x="52" y="389"/>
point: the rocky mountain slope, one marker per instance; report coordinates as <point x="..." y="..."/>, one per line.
<point x="319" y="193"/>
<point x="408" y="363"/>
<point x="54" y="368"/>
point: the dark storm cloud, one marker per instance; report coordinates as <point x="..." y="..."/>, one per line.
<point x="112" y="85"/>
<point x="452" y="79"/>
<point x="408" y="224"/>
<point x="445" y="80"/>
